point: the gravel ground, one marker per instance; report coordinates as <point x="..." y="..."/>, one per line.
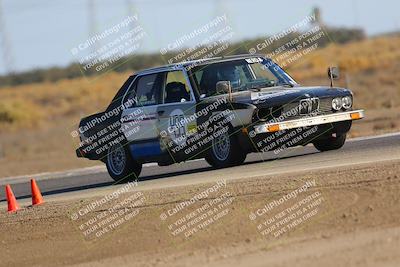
<point x="346" y="217"/>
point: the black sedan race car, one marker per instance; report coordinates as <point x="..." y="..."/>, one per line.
<point x="219" y="109"/>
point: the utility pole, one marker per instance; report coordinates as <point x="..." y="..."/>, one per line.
<point x="5" y="44"/>
<point x="131" y="10"/>
<point x="220" y="8"/>
<point x="92" y="23"/>
<point x="318" y="16"/>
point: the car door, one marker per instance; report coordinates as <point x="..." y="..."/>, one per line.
<point x="177" y="120"/>
<point x="139" y="123"/>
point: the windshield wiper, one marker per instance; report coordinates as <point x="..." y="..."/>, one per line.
<point x="286" y="84"/>
<point x="258" y="86"/>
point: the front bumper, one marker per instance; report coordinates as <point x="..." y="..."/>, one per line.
<point x="310" y="121"/>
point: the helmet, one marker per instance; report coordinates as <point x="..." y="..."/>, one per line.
<point x="229" y="73"/>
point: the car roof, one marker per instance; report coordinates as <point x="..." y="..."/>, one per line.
<point x="185" y="64"/>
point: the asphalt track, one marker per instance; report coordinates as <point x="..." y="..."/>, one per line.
<point x="95" y="181"/>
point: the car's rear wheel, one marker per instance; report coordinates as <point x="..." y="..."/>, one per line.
<point x="225" y="150"/>
<point x="331" y="143"/>
<point x="121" y="166"/>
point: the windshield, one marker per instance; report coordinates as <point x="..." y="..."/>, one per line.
<point x="243" y="74"/>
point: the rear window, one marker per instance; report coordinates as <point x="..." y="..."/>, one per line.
<point x="121" y="92"/>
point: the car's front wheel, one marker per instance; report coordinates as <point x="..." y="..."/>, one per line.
<point x="330" y="143"/>
<point x="121" y="166"/>
<point x="225" y="150"/>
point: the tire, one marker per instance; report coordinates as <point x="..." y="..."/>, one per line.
<point x="120" y="165"/>
<point x="330" y="143"/>
<point x="225" y="151"/>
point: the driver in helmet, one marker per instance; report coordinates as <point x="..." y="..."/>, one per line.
<point x="229" y="73"/>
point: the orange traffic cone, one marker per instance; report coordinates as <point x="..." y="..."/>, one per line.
<point x="36" y="195"/>
<point x="11" y="200"/>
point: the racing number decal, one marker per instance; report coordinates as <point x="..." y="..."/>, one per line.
<point x="177" y="127"/>
<point x="175" y="122"/>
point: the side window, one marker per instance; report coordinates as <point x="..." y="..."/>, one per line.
<point x="176" y="88"/>
<point x="147" y="90"/>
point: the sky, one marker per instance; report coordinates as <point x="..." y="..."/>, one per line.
<point x="41" y="33"/>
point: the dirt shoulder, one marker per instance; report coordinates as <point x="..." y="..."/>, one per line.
<point x="346" y="217"/>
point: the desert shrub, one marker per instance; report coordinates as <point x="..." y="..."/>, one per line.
<point x="19" y="112"/>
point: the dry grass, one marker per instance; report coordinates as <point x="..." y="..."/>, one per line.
<point x="42" y="104"/>
<point x="366" y="56"/>
<point x="36" y="119"/>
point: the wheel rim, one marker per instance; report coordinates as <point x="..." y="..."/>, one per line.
<point x="117" y="159"/>
<point x="221" y="146"/>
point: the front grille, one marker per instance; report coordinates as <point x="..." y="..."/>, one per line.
<point x="325" y="105"/>
<point x="291" y="109"/>
<point x="307" y="107"/>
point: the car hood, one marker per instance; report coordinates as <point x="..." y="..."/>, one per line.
<point x="279" y="95"/>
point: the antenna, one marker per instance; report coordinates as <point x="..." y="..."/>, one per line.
<point x="5" y="43"/>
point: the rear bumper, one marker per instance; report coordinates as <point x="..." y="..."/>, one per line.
<point x="91" y="155"/>
<point x="310" y="121"/>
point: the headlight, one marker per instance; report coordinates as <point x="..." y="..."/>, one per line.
<point x="347" y="102"/>
<point x="337" y="103"/>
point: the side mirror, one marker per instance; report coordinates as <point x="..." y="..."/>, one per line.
<point x="333" y="74"/>
<point x="224" y="87"/>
